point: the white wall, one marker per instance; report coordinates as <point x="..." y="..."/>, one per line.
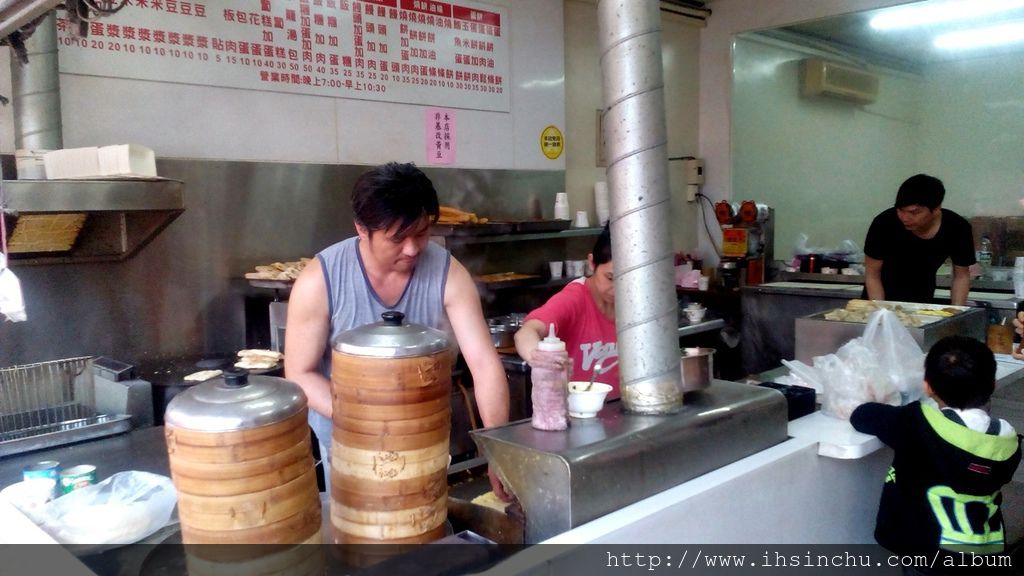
<point x="728" y="18"/>
<point x="192" y="121"/>
<point x="974" y="134"/>
<point x="680" y="46"/>
<point x="827" y="166"/>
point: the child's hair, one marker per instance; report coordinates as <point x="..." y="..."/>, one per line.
<point x="961" y="372"/>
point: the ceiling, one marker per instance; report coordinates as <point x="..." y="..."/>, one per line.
<point x="909" y="48"/>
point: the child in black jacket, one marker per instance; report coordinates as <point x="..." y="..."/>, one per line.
<point x="942" y="492"/>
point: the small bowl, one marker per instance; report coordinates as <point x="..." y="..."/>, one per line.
<point x="586" y="403"/>
<point x="695" y="315"/>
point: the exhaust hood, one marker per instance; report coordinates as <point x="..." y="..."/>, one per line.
<point x="100" y="220"/>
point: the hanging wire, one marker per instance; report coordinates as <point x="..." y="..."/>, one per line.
<point x="3" y="216"/>
<point x="105" y="7"/>
<point x="704" y="219"/>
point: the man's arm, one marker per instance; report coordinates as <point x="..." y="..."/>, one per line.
<point x="961" y="285"/>
<point x="305" y="338"/>
<point x="462" y="303"/>
<point x="490" y="385"/>
<point x="873" y="278"/>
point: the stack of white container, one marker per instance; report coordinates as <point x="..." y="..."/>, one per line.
<point x="118" y="161"/>
<point x="1018" y="278"/>
<point x="601" y="202"/>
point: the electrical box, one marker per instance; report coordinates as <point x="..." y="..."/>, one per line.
<point x="694" y="171"/>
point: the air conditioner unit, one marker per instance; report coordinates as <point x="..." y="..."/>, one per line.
<point x="824" y="78"/>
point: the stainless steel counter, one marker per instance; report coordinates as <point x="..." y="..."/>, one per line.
<point x="141" y="449"/>
<point x="566" y="478"/>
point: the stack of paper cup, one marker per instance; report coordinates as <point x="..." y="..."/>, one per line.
<point x="562" y="206"/>
<point x="601" y="202"/>
<point x="1018" y="278"/>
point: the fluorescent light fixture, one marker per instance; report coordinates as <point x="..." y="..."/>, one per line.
<point x="928" y="13"/>
<point x="980" y="37"/>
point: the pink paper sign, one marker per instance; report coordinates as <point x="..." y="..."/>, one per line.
<point x="440" y="135"/>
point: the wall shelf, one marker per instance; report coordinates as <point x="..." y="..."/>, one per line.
<point x="496" y="238"/>
<point x="122" y="216"/>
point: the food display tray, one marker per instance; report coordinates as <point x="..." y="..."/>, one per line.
<point x="816" y="336"/>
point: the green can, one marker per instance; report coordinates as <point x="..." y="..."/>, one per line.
<point x="77" y="477"/>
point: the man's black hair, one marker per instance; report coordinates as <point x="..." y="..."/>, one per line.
<point x="394" y="193"/>
<point x="921" y="189"/>
<point x="961" y="372"/>
<point x="602" y="251"/>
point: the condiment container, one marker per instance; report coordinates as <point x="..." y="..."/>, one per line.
<point x="550" y="390"/>
<point x="391" y="423"/>
<point x="240" y="458"/>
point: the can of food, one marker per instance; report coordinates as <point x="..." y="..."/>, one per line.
<point x="77" y="477"/>
<point x="45" y="471"/>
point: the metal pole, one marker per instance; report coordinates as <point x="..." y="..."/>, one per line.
<point x="35" y="91"/>
<point x="646" y="311"/>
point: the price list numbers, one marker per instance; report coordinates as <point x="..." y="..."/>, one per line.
<point x="415" y="51"/>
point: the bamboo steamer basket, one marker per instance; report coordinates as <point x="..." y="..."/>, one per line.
<point x="391" y="425"/>
<point x="241" y="461"/>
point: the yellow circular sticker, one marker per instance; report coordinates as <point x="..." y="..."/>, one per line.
<point x="551" y="142"/>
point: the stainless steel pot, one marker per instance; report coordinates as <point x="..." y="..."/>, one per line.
<point x="503" y="329"/>
<point x="697" y="368"/>
<point x="503" y="336"/>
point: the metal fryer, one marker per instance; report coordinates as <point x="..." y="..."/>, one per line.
<point x="58" y="402"/>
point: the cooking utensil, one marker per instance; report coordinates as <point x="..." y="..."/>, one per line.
<point x="392" y="420"/>
<point x="240" y="457"/>
<point x="600" y="368"/>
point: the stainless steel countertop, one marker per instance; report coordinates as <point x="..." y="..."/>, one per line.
<point x="140" y="449"/>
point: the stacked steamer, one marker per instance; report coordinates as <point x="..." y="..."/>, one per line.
<point x="392" y="419"/>
<point x="240" y="458"/>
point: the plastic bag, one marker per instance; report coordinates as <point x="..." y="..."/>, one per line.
<point x="884" y="365"/>
<point x="899" y="355"/>
<point x="122" y="509"/>
<point x="12" y="305"/>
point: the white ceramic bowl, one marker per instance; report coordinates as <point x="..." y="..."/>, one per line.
<point x="586" y="403"/>
<point x="695" y="314"/>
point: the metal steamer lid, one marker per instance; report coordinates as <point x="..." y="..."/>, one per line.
<point x="392" y="337"/>
<point x="235" y="401"/>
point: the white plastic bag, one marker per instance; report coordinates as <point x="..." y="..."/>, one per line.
<point x="899" y="355"/>
<point x="11" y="303"/>
<point x="122" y="509"/>
<point x="884" y="365"/>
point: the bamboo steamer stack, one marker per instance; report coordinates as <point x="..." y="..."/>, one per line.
<point x="241" y="461"/>
<point x="392" y="419"/>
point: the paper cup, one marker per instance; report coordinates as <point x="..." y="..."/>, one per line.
<point x="556" y="268"/>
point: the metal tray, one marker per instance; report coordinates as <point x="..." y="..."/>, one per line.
<point x="542" y="225"/>
<point x="50" y="435"/>
<point x="488" y="229"/>
<point x="816" y="336"/>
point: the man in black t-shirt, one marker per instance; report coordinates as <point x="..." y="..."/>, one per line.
<point x="906" y="245"/>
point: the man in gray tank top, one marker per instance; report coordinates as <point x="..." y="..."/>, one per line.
<point x="390" y="265"/>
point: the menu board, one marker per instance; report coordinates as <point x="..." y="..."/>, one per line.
<point x="452" y="54"/>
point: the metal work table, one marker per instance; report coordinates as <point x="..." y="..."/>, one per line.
<point x="599" y="465"/>
<point x="140" y="449"/>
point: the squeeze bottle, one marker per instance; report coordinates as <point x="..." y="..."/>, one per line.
<point x="550" y="388"/>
